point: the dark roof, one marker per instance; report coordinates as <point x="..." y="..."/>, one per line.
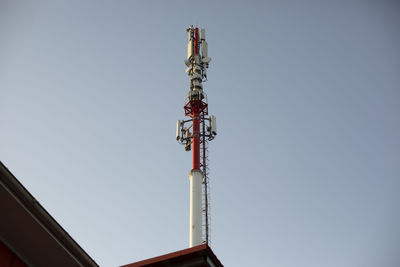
<point x="30" y="231"/>
<point x="199" y="256"/>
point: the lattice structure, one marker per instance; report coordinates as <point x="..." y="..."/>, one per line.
<point x="206" y="218"/>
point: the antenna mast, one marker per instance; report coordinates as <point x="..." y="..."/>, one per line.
<point x="195" y="132"/>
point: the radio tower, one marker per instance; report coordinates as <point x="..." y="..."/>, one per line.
<point x="194" y="133"/>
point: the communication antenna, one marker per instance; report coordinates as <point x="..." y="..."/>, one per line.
<point x="194" y="133"/>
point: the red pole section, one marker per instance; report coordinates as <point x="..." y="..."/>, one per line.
<point x="196" y="40"/>
<point x="196" y="135"/>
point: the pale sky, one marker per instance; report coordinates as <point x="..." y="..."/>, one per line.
<point x="305" y="170"/>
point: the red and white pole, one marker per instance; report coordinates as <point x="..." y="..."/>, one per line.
<point x="197" y="62"/>
<point x="196" y="175"/>
<point x="196" y="178"/>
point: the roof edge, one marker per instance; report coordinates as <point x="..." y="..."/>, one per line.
<point x="26" y="199"/>
<point x="203" y="247"/>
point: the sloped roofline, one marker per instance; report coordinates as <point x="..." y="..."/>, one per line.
<point x="15" y="189"/>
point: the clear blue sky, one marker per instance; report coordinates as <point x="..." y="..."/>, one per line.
<point x="305" y="170"/>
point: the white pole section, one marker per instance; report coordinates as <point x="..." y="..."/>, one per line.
<point x="196" y="178"/>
